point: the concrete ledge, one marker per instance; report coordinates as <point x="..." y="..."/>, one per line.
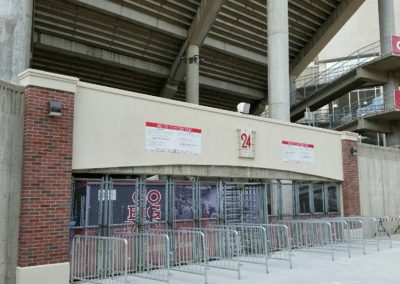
<point x="44" y="274"/>
<point x="346" y="135"/>
<point x="38" y="78"/>
<point x="207" y="171"/>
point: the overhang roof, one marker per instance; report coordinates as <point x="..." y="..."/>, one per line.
<point x="138" y="44"/>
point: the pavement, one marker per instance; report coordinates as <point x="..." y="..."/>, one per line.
<point x="309" y="268"/>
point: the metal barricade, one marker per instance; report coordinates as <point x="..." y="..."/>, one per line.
<point x="187" y="251"/>
<point x="354" y="233"/>
<point x="339" y="234"/>
<point x="363" y="230"/>
<point x="279" y="247"/>
<point x="99" y="260"/>
<point x="222" y="248"/>
<point x="253" y="243"/>
<point x="148" y="255"/>
<point x="311" y="236"/>
<point x="278" y="243"/>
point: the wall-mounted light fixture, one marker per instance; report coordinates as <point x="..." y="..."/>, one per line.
<point x="354" y="150"/>
<point x="243" y="108"/>
<point x="54" y="109"/>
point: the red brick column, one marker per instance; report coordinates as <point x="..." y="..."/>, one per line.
<point x="350" y="186"/>
<point x="46" y="178"/>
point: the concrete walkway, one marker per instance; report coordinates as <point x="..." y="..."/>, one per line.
<point x="310" y="268"/>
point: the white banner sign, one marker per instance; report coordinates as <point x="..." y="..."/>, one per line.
<point x="297" y="152"/>
<point x="246" y="139"/>
<point x="172" y="138"/>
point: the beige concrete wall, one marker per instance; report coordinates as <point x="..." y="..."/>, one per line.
<point x="379" y="170"/>
<point x="361" y="30"/>
<point x="43" y="274"/>
<point x="11" y="136"/>
<point x="109" y="131"/>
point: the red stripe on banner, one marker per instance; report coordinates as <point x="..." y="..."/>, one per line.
<point x="172" y="127"/>
<point x="292" y="143"/>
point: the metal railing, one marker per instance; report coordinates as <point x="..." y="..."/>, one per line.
<point x="311" y="236"/>
<point x="253" y="242"/>
<point x="187" y="250"/>
<point x="148" y="255"/>
<point x="222" y="248"/>
<point x="337" y="116"/>
<point x="99" y="260"/>
<point x="340" y="68"/>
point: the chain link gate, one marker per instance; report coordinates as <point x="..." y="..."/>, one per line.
<point x="107" y="207"/>
<point x="245" y="203"/>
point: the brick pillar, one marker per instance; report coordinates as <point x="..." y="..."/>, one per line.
<point x="351" y="185"/>
<point x="46" y="174"/>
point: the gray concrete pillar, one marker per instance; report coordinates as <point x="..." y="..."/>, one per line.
<point x="292" y="89"/>
<point x="15" y="38"/>
<point x="192" y="75"/>
<point x="387" y="28"/>
<point x="287" y="197"/>
<point x="389" y="89"/>
<point x="278" y="60"/>
<point x="386" y="24"/>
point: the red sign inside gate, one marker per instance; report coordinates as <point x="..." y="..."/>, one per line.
<point x="396" y="45"/>
<point x="153" y="211"/>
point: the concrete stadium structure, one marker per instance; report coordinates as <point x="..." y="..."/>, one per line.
<point x="106" y="102"/>
<point x="360" y="106"/>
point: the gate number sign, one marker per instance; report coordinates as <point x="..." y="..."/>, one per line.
<point x="246" y="142"/>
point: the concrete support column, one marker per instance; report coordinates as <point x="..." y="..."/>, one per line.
<point x="278" y="60"/>
<point x="287" y="198"/>
<point x="11" y="137"/>
<point x="386" y="24"/>
<point x="387" y="28"/>
<point x="192" y="75"/>
<point x="15" y="38"/>
<point x="292" y="88"/>
<point x="389" y="89"/>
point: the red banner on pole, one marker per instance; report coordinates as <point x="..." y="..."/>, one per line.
<point x="397" y="99"/>
<point x="396" y="45"/>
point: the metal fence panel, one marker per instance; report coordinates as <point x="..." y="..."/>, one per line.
<point x="187" y="251"/>
<point x="99" y="260"/>
<point x="222" y="248"/>
<point x="362" y="231"/>
<point x="279" y="247"/>
<point x="253" y="243"/>
<point x="312" y="236"/>
<point x="148" y="255"/>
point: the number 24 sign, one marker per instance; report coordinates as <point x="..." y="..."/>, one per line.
<point x="246" y="141"/>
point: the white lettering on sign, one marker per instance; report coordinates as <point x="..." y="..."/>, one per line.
<point x="296" y="152"/>
<point x="246" y="140"/>
<point x="172" y="138"/>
